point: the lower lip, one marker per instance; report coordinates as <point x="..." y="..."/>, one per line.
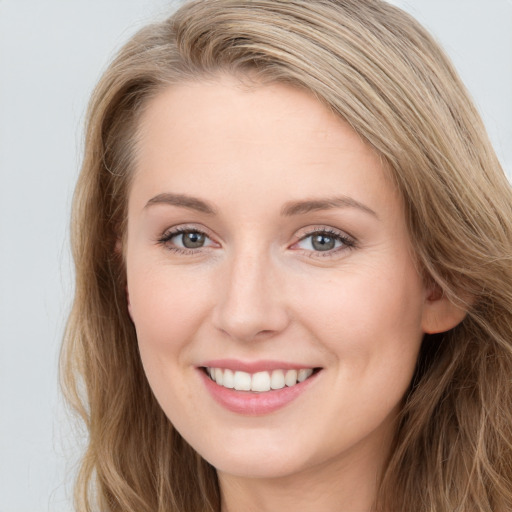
<point x="252" y="403"/>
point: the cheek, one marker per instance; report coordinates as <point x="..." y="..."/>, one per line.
<point x="366" y="315"/>
<point x="166" y="307"/>
<point x="166" y="311"/>
<point x="370" y="326"/>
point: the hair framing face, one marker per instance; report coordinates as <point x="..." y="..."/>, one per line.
<point x="378" y="69"/>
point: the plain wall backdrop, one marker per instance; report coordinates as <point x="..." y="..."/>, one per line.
<point x="51" y="54"/>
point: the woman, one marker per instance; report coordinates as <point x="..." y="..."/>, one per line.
<point x="294" y="284"/>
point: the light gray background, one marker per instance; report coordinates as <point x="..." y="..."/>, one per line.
<point x="51" y="54"/>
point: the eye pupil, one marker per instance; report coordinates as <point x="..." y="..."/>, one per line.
<point x="323" y="242"/>
<point x="193" y="239"/>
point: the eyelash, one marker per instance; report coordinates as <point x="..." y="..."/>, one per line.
<point x="165" y="239"/>
<point x="347" y="242"/>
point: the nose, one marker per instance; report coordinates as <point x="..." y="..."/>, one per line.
<point x="252" y="301"/>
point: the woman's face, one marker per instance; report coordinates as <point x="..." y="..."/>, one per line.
<point x="265" y="237"/>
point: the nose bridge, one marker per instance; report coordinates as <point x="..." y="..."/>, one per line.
<point x="251" y="302"/>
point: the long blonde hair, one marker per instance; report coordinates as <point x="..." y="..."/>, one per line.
<point x="379" y="70"/>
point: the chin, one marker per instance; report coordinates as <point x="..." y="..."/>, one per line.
<point x="259" y="467"/>
<point x="255" y="459"/>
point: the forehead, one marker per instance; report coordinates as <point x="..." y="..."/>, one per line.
<point x="219" y="135"/>
<point x="242" y="108"/>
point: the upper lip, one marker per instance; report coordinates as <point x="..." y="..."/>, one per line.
<point x="254" y="366"/>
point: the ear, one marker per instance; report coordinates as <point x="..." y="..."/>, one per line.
<point x="440" y="314"/>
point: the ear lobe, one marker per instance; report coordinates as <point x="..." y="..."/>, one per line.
<point x="440" y="314"/>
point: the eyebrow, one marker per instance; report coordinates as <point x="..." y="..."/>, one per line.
<point x="289" y="209"/>
<point x="313" y="205"/>
<point x="183" y="201"/>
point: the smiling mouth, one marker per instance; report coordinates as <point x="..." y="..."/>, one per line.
<point x="259" y="382"/>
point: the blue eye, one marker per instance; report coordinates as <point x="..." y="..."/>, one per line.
<point x="185" y="239"/>
<point x="325" y="241"/>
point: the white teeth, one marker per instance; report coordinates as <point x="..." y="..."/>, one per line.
<point x="304" y="374"/>
<point x="290" y="379"/>
<point x="228" y="381"/>
<point x="242" y="381"/>
<point x="260" y="381"/>
<point x="277" y="379"/>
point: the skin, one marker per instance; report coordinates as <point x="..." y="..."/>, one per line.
<point x="258" y="289"/>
